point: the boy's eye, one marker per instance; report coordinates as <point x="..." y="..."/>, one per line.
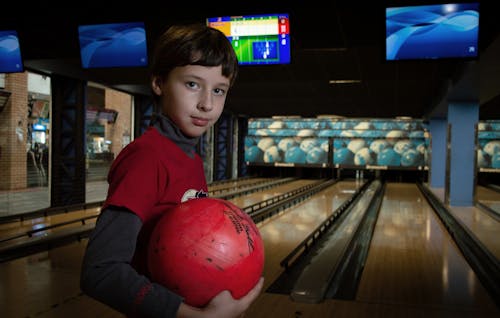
<point x="191" y="84"/>
<point x="219" y="91"/>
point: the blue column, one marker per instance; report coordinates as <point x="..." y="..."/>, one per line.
<point x="463" y="116"/>
<point x="438" y="129"/>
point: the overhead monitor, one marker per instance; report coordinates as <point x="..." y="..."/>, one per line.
<point x="113" y="45"/>
<point x="432" y="31"/>
<point x="10" y="52"/>
<point x="257" y="39"/>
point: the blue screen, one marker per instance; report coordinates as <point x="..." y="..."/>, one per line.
<point x="113" y="45"/>
<point x="432" y="31"/>
<point x="10" y="53"/>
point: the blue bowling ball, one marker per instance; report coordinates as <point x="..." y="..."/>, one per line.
<point x="339" y="143"/>
<point x="343" y="156"/>
<point x="495" y="126"/>
<point x="385" y="125"/>
<point x="378" y="145"/>
<point x="412" y="158"/>
<point x="495" y="161"/>
<point x="249" y="141"/>
<point x="388" y="157"/>
<point x="285" y="143"/>
<point x="401" y="146"/>
<point x="417" y="134"/>
<point x="254" y="154"/>
<point x="309" y="143"/>
<point x="316" y="155"/>
<point x="295" y="155"/>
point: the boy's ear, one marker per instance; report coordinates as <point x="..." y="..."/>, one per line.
<point x="156" y="85"/>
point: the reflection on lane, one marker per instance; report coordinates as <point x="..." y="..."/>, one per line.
<point x="413" y="260"/>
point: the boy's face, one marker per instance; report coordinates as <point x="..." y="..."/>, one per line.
<point x="193" y="97"/>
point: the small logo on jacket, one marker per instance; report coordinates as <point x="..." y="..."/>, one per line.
<point x="193" y="194"/>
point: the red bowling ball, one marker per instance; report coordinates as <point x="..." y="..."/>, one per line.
<point x="204" y="246"/>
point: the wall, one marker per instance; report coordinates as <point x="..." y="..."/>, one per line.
<point x="13" y="129"/>
<point x="119" y="132"/>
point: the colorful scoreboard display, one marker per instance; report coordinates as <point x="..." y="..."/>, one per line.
<point x="257" y="39"/>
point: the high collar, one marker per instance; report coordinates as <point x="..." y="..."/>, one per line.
<point x="167" y="128"/>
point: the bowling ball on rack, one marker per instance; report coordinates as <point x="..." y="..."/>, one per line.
<point x="204" y="246"/>
<point x="254" y="154"/>
<point x="272" y="154"/>
<point x="389" y="157"/>
<point x="295" y="155"/>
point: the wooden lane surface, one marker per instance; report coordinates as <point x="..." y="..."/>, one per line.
<point x="235" y="183"/>
<point x="18" y="227"/>
<point x="36" y="285"/>
<point x="413" y="262"/>
<point x="281" y="234"/>
<point x="255" y="197"/>
<point x="485" y="228"/>
<point x="488" y="197"/>
<point x="413" y="270"/>
<point x="46" y="284"/>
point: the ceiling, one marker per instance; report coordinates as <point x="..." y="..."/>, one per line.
<point x="329" y="42"/>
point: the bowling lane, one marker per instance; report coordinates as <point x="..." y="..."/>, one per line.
<point x="236" y="183"/>
<point x="489" y="198"/>
<point x="47" y="285"/>
<point x="18" y="227"/>
<point x="284" y="231"/>
<point x="413" y="261"/>
<point x="478" y="221"/>
<point x="482" y="225"/>
<point x="255" y="197"/>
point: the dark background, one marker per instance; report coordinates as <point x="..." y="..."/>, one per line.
<point x="330" y="40"/>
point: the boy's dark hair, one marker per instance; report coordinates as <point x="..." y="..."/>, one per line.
<point x="193" y="44"/>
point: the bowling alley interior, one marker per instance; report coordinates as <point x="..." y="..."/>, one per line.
<point x="361" y="140"/>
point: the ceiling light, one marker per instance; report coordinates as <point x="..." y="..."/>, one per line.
<point x="351" y="81"/>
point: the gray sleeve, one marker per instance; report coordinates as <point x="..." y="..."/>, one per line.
<point x="108" y="277"/>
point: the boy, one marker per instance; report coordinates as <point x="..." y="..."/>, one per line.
<point x="192" y="69"/>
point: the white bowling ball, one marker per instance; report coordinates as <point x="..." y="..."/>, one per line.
<point x="402" y="146"/>
<point x="272" y="154"/>
<point x="265" y="143"/>
<point x="363" y="157"/>
<point x="378" y="145"/>
<point x="308" y="143"/>
<point x="492" y="147"/>
<point x="285" y="143"/>
<point x="355" y="144"/>
<point x="305" y="133"/>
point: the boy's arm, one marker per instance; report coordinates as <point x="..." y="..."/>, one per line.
<point x="108" y="276"/>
